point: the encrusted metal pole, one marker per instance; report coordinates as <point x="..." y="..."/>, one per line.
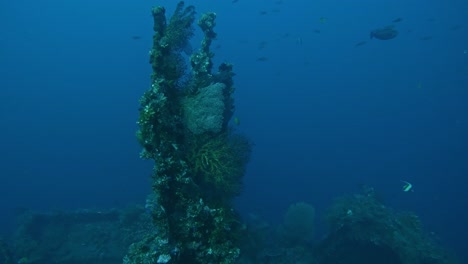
<point x="199" y="160"/>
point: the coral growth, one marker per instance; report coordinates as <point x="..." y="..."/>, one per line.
<point x="184" y="128"/>
<point x="364" y="230"/>
<point x="299" y="222"/>
<point x="220" y="161"/>
<point x="204" y="112"/>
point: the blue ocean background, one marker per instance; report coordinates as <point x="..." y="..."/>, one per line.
<point x="329" y="109"/>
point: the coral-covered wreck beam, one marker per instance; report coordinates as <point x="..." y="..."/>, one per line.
<point x="199" y="161"/>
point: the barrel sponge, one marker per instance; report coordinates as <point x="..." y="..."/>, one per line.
<point x="204" y="111"/>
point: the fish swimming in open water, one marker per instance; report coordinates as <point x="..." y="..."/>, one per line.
<point x="361" y="43"/>
<point x="385" y="33"/>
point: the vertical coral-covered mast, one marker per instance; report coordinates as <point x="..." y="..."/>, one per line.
<point x="199" y="161"/>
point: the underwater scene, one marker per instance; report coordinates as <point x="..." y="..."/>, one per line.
<point x="234" y="132"/>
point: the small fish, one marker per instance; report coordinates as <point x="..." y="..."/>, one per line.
<point x="456" y="27"/>
<point x="236" y="121"/>
<point x="234" y="1"/>
<point x="425" y="38"/>
<point x="262" y="45"/>
<point x="397" y="20"/>
<point x="262" y="13"/>
<point x="136" y="37"/>
<point x="317" y="31"/>
<point x="322" y="20"/>
<point x="407" y="186"/>
<point x="385" y="33"/>
<point x="299" y="41"/>
<point x="263" y="58"/>
<point x="361" y="43"/>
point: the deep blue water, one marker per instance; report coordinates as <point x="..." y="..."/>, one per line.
<point x="326" y="115"/>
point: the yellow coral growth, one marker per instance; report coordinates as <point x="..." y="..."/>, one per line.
<point x="211" y="160"/>
<point x="216" y="161"/>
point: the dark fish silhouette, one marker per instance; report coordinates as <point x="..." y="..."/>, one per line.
<point x="361" y="43"/>
<point x="397" y="20"/>
<point x="262" y="58"/>
<point x="425" y="38"/>
<point x="136" y="37"/>
<point x="456" y="27"/>
<point x="385" y="33"/>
